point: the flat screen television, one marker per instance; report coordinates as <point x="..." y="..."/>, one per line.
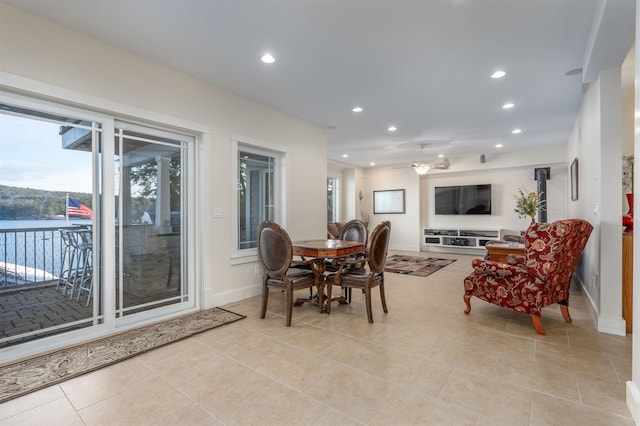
<point x="463" y="199"/>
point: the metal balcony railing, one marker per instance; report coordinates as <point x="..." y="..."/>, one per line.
<point x="31" y="257"/>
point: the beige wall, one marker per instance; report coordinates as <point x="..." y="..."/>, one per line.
<point x="505" y="181"/>
<point x="102" y="77"/>
<point x="596" y="142"/>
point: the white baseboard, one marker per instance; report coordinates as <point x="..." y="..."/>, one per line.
<point x="633" y="401"/>
<point x="405" y="248"/>
<point x="612" y="326"/>
<point x="616" y="326"/>
<point x="212" y="300"/>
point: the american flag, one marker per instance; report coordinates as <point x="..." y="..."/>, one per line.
<point x="76" y="209"/>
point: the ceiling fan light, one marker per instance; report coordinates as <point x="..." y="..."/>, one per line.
<point x="421" y="169"/>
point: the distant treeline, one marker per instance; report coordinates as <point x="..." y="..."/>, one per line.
<point x="29" y="204"/>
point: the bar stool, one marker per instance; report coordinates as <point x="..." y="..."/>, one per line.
<point x="85" y="281"/>
<point x="68" y="261"/>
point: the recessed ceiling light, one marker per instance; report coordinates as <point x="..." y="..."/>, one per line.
<point x="508" y="105"/>
<point x="440" y="155"/>
<point x="498" y="74"/>
<point x="357" y="109"/>
<point x="268" y="58"/>
<point x="345" y="155"/>
<point x="372" y="164"/>
<point x="516" y="131"/>
<point x="392" y="128"/>
<point x="499" y="145"/>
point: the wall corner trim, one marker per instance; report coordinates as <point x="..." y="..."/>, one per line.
<point x="633" y="401"/>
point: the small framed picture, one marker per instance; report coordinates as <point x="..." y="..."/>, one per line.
<point x="388" y="201"/>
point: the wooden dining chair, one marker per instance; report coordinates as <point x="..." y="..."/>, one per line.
<point x="350" y="275"/>
<point x="276" y="257"/>
<point x="355" y="230"/>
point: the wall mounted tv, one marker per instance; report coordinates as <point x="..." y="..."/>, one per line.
<point x="463" y="199"/>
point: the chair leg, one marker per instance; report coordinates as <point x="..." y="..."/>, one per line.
<point x="384" y="300"/>
<point x="329" y="288"/>
<point x="321" y="297"/>
<point x="564" y="309"/>
<point x="289" y="293"/>
<point x="537" y="324"/>
<point x="467" y="299"/>
<point x="367" y="299"/>
<point x="265" y="298"/>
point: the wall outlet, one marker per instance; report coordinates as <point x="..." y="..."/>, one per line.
<point x="257" y="270"/>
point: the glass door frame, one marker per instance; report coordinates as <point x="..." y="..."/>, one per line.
<point x="103" y="183"/>
<point x="187" y="233"/>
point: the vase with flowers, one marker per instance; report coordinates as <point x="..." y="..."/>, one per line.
<point x="627" y="185"/>
<point x="527" y="204"/>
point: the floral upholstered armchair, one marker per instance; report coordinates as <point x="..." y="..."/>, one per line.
<point x="539" y="278"/>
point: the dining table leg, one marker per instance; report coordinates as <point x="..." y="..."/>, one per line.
<point x="319" y="269"/>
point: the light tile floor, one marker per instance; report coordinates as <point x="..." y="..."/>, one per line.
<point x="425" y="362"/>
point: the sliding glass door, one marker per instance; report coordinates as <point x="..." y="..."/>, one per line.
<point x="85" y="247"/>
<point x="49" y="222"/>
<point x="150" y="221"/>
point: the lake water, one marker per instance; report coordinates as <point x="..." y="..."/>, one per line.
<point x="41" y="250"/>
<point x="52" y="223"/>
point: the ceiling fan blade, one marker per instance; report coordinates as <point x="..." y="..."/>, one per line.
<point x="443" y="165"/>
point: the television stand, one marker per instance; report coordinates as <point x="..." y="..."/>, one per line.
<point x="459" y="238"/>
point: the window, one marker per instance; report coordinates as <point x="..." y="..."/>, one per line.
<point x="257" y="194"/>
<point x="332" y="199"/>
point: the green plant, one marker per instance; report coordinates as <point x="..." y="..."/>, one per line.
<point x="527" y="204"/>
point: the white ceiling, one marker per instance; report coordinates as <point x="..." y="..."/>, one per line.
<point x="423" y="66"/>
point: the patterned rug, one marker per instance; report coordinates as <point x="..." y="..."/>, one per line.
<point x="413" y="265"/>
<point x="22" y="377"/>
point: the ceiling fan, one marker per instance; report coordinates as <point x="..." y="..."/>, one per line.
<point x="423" y="168"/>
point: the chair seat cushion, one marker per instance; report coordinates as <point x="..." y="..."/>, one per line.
<point x="356" y="277"/>
<point x="296" y="276"/>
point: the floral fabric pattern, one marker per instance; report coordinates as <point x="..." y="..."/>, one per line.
<point x="539" y="278"/>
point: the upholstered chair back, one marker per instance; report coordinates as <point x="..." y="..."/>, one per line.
<point x="354" y="230"/>
<point x="552" y="252"/>
<point x="274" y="249"/>
<point x="379" y="246"/>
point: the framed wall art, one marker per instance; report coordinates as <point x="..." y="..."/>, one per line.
<point x="388" y="201"/>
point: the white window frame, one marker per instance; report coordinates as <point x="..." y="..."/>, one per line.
<point x="336" y="198"/>
<point x="245" y="143"/>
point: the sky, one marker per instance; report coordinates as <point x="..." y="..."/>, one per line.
<point x="31" y="156"/>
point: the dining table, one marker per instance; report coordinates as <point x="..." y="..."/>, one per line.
<point x="321" y="250"/>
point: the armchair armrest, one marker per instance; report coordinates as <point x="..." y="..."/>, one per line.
<point x="346" y="262"/>
<point x="303" y="264"/>
<point x="515" y="259"/>
<point x="493" y="268"/>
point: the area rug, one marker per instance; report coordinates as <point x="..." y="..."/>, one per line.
<point x="27" y="376"/>
<point x="414" y="265"/>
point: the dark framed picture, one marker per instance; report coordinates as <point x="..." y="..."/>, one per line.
<point x="388" y="201"/>
<point x="574" y="180"/>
